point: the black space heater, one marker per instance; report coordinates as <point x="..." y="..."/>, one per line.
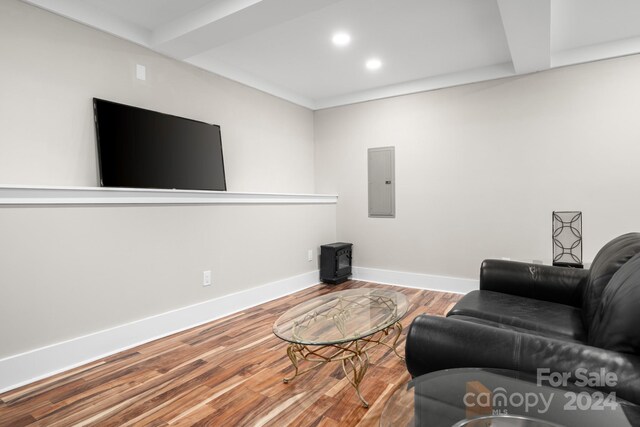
<point x="335" y="262"/>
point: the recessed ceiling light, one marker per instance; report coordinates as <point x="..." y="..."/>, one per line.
<point x="341" y="39"/>
<point x="373" y="64"/>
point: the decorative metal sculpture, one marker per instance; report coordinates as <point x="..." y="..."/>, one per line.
<point x="567" y="239"/>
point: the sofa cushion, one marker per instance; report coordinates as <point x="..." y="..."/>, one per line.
<point x="543" y="317"/>
<point x="616" y="324"/>
<point x="609" y="259"/>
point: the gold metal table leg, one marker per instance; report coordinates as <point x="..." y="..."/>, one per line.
<point x="359" y="365"/>
<point x="352" y="355"/>
<point x="398" y="328"/>
<point x="291" y="352"/>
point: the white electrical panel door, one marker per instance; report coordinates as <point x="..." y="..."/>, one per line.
<point x="382" y="187"/>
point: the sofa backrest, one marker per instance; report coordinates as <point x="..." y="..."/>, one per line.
<point x="616" y="324"/>
<point x="607" y="262"/>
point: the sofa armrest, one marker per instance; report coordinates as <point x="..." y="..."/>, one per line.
<point x="436" y="343"/>
<point x="543" y="282"/>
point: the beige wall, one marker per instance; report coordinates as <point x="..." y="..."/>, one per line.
<point x="52" y="67"/>
<point x="480" y="168"/>
<point x="69" y="271"/>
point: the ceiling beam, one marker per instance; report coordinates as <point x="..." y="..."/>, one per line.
<point x="596" y="52"/>
<point x="80" y="11"/>
<point x="168" y="37"/>
<point x="210" y="63"/>
<point x="223" y="21"/>
<point x="527" y="26"/>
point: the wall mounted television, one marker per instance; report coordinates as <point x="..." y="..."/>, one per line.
<point x="139" y="148"/>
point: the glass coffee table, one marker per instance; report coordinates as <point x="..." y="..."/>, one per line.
<point x="342" y="327"/>
<point x="478" y="397"/>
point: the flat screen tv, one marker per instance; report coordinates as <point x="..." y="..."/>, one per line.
<point x="140" y="148"/>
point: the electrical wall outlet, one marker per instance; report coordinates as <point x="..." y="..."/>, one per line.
<point x="206" y="278"/>
<point x="310" y="255"/>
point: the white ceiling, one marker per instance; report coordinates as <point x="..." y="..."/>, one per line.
<point x="284" y="47"/>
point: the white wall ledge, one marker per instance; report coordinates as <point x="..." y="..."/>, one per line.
<point x="43" y="195"/>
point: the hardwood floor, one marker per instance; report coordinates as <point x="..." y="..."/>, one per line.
<point x="225" y="373"/>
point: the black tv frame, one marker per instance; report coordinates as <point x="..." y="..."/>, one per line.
<point x="100" y="155"/>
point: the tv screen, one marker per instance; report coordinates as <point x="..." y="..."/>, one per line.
<point x="140" y="148"/>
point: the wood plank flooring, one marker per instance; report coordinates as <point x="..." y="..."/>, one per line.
<point x="224" y="373"/>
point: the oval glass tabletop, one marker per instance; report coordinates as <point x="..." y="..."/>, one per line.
<point x="493" y="397"/>
<point x="340" y="317"/>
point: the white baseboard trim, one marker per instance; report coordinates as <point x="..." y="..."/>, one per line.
<point x="415" y="280"/>
<point x="30" y="366"/>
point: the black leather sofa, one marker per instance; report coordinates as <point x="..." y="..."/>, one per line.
<point x="528" y="316"/>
